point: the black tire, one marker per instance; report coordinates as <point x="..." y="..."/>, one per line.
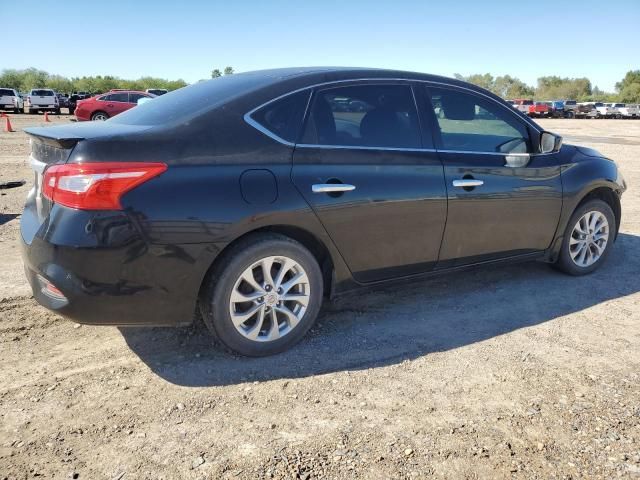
<point x="17" y="110"/>
<point x="565" y="263"/>
<point x="57" y="111"/>
<point x="216" y="294"/>
<point x="95" y="115"/>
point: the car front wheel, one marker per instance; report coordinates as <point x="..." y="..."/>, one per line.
<point x="264" y="295"/>
<point x="588" y="238"/>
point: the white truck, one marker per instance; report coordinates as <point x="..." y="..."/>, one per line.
<point x="604" y="110"/>
<point x="42" y="99"/>
<point x="10" y="100"/>
<point x="627" y="110"/>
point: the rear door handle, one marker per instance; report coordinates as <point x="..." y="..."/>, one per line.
<point x="331" y="187"/>
<point x="470" y="182"/>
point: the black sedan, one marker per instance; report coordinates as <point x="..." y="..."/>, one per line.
<point x="253" y="196"/>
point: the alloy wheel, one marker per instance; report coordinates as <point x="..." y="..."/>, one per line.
<point x="589" y="238"/>
<point x="269" y="299"/>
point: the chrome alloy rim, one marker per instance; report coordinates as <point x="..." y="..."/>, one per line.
<point x="589" y="239"/>
<point x="269" y="299"/>
<point x="100" y="116"/>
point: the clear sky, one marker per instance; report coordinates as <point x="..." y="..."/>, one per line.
<point x="169" y="39"/>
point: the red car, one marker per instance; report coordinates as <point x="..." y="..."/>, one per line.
<point x="107" y="105"/>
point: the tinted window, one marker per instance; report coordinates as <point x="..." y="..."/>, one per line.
<point x="5" y="91"/>
<point x="42" y="93"/>
<point x="364" y="115"/>
<point x="570" y="102"/>
<point x="119" y="97"/>
<point x="134" y="97"/>
<point x="472" y="123"/>
<point x="284" y="117"/>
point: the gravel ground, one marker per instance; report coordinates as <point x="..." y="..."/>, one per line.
<point x="511" y="372"/>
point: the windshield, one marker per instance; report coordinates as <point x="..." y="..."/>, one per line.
<point x="570" y="102"/>
<point x="193" y="100"/>
<point x="42" y="93"/>
<point x="6" y="91"/>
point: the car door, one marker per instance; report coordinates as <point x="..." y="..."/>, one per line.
<point x="504" y="198"/>
<point x="377" y="189"/>
<point x="114" y="103"/>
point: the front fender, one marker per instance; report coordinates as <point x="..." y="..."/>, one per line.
<point x="581" y="178"/>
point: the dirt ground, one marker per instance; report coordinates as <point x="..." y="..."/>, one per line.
<point x="510" y="372"/>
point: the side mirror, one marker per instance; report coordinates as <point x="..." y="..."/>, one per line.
<point x="550" y="142"/>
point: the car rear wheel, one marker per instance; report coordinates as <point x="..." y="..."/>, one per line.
<point x="17" y="110"/>
<point x="264" y="296"/>
<point x="99" y="116"/>
<point x="588" y="238"/>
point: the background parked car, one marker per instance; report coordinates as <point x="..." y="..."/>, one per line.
<point x="556" y="108"/>
<point x="586" y="110"/>
<point x="522" y="105"/>
<point x="41" y="99"/>
<point x="538" y="109"/>
<point x="570" y="108"/>
<point x="604" y="110"/>
<point x="63" y="100"/>
<point x="74" y="98"/>
<point x="102" y="107"/>
<point x="10" y="100"/>
<point x="156" y="91"/>
<point x="623" y="110"/>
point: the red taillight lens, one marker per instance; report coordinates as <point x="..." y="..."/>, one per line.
<point x="96" y="186"/>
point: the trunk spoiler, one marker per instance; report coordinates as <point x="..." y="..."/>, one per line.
<point x="53" y="137"/>
<point x="67" y="136"/>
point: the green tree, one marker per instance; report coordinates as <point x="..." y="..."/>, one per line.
<point x="215" y="73"/>
<point x="510" y="87"/>
<point x="629" y="87"/>
<point x="505" y="86"/>
<point x="228" y="70"/>
<point x="24" y="80"/>
<point x="554" y="87"/>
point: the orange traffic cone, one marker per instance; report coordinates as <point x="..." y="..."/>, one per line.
<point x="7" y="125"/>
<point x="46" y="117"/>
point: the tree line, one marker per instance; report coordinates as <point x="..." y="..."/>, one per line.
<point x="25" y="80"/>
<point x="506" y="86"/>
<point x="558" y="88"/>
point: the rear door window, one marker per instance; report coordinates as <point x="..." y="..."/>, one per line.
<point x="119" y="97"/>
<point x="283" y="117"/>
<point x="134" y="97"/>
<point x="375" y="115"/>
<point x="470" y="123"/>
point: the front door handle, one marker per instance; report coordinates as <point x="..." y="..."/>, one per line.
<point x="332" y="187"/>
<point x="468" y="182"/>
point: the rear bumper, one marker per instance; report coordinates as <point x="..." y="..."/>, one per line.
<point x="107" y="274"/>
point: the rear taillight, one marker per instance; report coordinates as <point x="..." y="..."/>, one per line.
<point x="96" y="186"/>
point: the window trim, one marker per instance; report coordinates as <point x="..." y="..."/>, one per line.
<point x="410" y="81"/>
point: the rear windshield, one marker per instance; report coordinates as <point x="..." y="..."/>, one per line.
<point x="192" y="100"/>
<point x="42" y="93"/>
<point x="6" y="91"/>
<point x="599" y="104"/>
<point x="570" y="102"/>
